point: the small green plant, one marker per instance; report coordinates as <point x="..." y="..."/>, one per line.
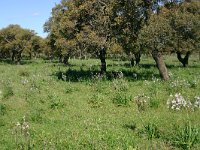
<point x="7" y="91"/>
<point x="21" y="133"/>
<point x="96" y="100"/>
<point x="121" y="99"/>
<point x="24" y="73"/>
<point x="69" y="90"/>
<point x="154" y="103"/>
<point x="2" y="109"/>
<point x="185" y="136"/>
<point x="120" y="85"/>
<point x="151" y="130"/>
<point x="56" y="104"/>
<point x="141" y="102"/>
<point x="36" y="115"/>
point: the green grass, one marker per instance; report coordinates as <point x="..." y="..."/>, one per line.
<point x="81" y="110"/>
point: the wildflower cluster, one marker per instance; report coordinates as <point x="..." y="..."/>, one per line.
<point x="22" y="134"/>
<point x="98" y="76"/>
<point x="197" y="101"/>
<point x="117" y="74"/>
<point x="182" y="83"/>
<point x="178" y="102"/>
<point x="24" y="81"/>
<point x="23" y="127"/>
<point x="154" y="79"/>
<point x="135" y="75"/>
<point x="141" y="101"/>
<point x="120" y="85"/>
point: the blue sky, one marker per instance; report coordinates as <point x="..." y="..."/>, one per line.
<point x="31" y="14"/>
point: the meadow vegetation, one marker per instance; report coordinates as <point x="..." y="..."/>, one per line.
<point x="46" y="105"/>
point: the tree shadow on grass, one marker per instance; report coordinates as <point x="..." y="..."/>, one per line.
<point x="88" y="75"/>
<point x="169" y="66"/>
<point x="22" y="62"/>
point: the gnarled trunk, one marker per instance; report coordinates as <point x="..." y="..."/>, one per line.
<point x="102" y="57"/>
<point x="184" y="60"/>
<point x="157" y="56"/>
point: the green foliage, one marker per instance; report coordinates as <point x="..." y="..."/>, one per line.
<point x="151" y="130"/>
<point x="36" y="115"/>
<point x="120" y="85"/>
<point x="23" y="73"/>
<point x="96" y="100"/>
<point x="185" y="136"/>
<point x="142" y="102"/>
<point x="122" y="99"/>
<point x="7" y="91"/>
<point x="55" y="102"/>
<point x="3" y="109"/>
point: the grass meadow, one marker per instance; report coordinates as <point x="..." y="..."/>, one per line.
<point x="46" y="105"/>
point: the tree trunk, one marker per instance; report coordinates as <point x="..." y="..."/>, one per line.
<point x="184" y="60"/>
<point x="19" y="56"/>
<point x="30" y="55"/>
<point x="157" y="56"/>
<point x="66" y="59"/>
<point x="60" y="58"/>
<point x="132" y="62"/>
<point x="13" y="56"/>
<point x="137" y="58"/>
<point x="102" y="57"/>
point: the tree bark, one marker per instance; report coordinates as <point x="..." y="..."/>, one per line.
<point x="60" y="58"/>
<point x="184" y="60"/>
<point x="66" y="59"/>
<point x="137" y="58"/>
<point x="102" y="57"/>
<point x="19" y="56"/>
<point x="30" y="55"/>
<point x="132" y="62"/>
<point x="157" y="56"/>
<point x="13" y="56"/>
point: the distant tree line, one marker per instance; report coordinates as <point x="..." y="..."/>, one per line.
<point x="16" y="42"/>
<point x="134" y="27"/>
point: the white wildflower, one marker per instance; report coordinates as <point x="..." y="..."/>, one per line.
<point x="197" y="101"/>
<point x="177" y="102"/>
